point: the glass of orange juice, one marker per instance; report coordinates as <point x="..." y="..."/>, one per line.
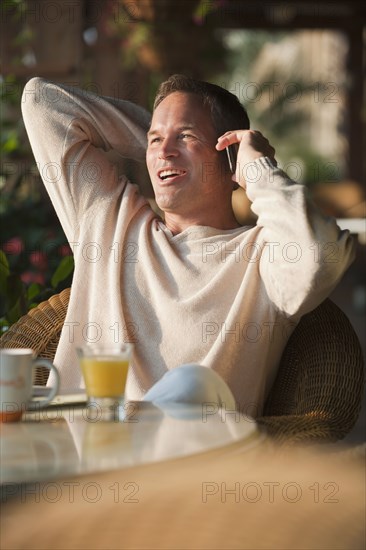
<point x="105" y="369"/>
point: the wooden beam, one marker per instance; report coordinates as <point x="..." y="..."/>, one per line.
<point x="284" y="15"/>
<point x="357" y="126"/>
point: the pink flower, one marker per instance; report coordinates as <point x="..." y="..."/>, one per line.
<point x="65" y="250"/>
<point x="13" y="246"/>
<point x="29" y="277"/>
<point x="38" y="259"/>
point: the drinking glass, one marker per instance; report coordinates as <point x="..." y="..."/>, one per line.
<point x="105" y="369"/>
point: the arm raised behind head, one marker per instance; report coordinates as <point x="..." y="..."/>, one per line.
<point x="70" y="131"/>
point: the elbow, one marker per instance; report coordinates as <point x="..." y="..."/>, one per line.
<point x="323" y="281"/>
<point x="335" y="259"/>
<point x="298" y="291"/>
<point x="32" y="95"/>
<point x="322" y="273"/>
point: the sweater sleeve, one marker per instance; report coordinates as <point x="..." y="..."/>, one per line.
<point x="305" y="253"/>
<point x="70" y="131"/>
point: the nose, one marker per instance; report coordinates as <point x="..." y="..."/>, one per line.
<point x="167" y="149"/>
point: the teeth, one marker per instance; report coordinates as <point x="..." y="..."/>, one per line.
<point x="168" y="173"/>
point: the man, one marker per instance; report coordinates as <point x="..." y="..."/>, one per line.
<point x="194" y="287"/>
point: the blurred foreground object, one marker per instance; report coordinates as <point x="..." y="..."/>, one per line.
<point x="229" y="498"/>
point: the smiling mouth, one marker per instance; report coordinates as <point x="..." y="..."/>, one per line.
<point x="168" y="174"/>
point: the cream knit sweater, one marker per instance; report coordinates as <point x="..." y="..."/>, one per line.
<point x="226" y="299"/>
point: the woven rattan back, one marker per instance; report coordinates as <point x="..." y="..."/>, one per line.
<point x="321" y="373"/>
<point x="40" y="330"/>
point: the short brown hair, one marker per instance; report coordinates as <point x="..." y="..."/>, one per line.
<point x="227" y="113"/>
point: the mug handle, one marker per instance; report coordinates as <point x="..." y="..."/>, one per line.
<point x="34" y="405"/>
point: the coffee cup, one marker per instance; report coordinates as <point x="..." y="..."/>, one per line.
<point x="16" y="383"/>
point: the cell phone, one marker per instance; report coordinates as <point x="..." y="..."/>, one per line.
<point x="232" y="153"/>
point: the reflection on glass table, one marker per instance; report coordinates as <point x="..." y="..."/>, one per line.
<point x="76" y="440"/>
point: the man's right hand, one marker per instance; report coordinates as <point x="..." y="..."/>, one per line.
<point x="252" y="145"/>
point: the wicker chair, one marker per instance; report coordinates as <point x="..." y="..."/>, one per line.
<point x="40" y="330"/>
<point x="319" y="386"/>
<point x="318" y="389"/>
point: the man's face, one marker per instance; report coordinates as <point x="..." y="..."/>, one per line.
<point x="182" y="161"/>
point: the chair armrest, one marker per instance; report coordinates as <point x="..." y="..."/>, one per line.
<point x="39" y="330"/>
<point x="299" y="428"/>
<point x="320" y="381"/>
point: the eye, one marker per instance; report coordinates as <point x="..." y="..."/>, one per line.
<point x="155" y="140"/>
<point x="184" y="136"/>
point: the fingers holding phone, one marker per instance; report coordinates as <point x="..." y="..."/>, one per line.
<point x="243" y="147"/>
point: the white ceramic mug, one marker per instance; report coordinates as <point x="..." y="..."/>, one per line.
<point x="16" y="383"/>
